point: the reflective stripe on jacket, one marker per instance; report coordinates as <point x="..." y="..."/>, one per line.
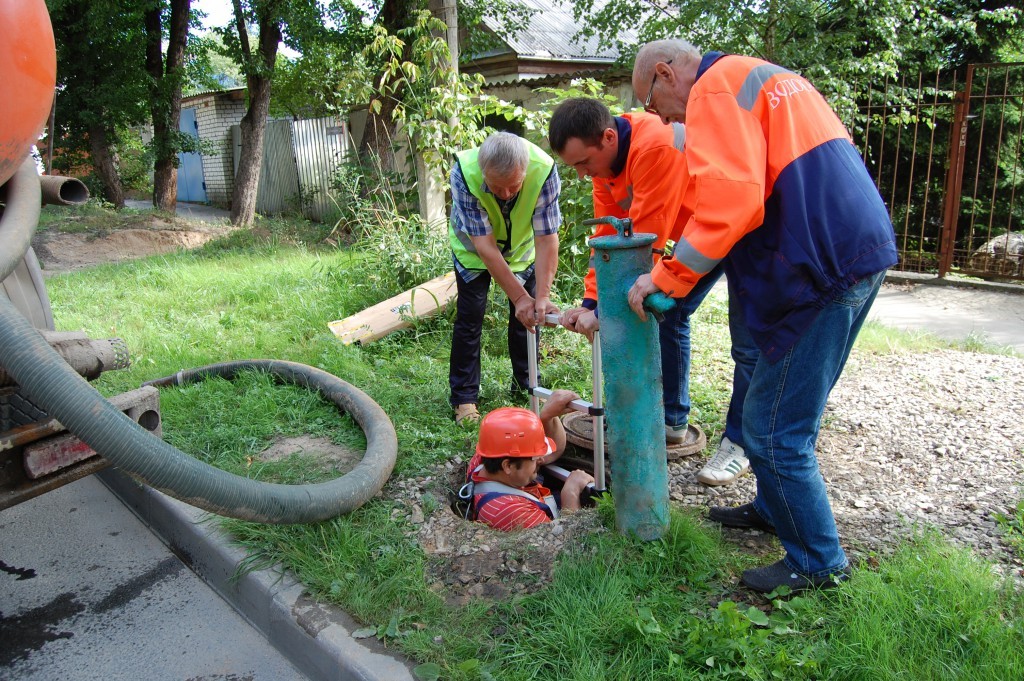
<point x="778" y="187"/>
<point x="517" y="247"/>
<point x="650" y="187"/>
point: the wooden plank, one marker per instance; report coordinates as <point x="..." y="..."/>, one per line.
<point x="397" y="312"/>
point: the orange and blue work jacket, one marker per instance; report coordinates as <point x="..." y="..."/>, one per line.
<point x="648" y="186"/>
<point x="778" y="186"/>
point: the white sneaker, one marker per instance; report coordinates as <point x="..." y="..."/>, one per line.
<point x="725" y="466"/>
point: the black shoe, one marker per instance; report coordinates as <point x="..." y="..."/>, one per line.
<point x="740" y="516"/>
<point x="771" y="577"/>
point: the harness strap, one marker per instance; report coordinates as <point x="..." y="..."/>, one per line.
<point x="491" y="489"/>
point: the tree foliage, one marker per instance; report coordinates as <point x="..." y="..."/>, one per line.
<point x="102" y="87"/>
<point x="122" y="64"/>
<point x="208" y="66"/>
<point x="834" y="44"/>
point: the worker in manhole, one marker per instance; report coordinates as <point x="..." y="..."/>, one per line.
<point x="504" y="225"/>
<point x="635" y="163"/>
<point x="503" y="489"/>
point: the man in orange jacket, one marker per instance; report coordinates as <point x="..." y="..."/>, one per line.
<point x="636" y="164"/>
<point x="778" y="186"/>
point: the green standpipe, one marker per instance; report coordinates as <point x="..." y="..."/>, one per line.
<point x="631" y="359"/>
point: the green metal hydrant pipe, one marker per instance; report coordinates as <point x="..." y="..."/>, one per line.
<point x="631" y="358"/>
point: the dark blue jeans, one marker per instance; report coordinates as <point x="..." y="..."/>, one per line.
<point x="674" y="334"/>
<point x="464" y="365"/>
<point x="781" y="418"/>
<point x="744" y="356"/>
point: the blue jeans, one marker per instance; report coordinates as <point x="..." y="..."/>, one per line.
<point x="745" y="354"/>
<point x="781" y="418"/>
<point x="674" y="334"/>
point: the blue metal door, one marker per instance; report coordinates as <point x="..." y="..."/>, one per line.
<point x="191" y="186"/>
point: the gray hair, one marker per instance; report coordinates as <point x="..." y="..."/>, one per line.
<point x="676" y="50"/>
<point x="503" y="154"/>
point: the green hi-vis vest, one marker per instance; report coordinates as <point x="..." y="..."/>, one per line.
<point x="517" y="247"/>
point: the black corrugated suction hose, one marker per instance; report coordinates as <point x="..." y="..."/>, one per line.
<point x="45" y="377"/>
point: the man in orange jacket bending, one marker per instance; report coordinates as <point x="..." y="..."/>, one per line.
<point x="778" y="186"/>
<point x="638" y="170"/>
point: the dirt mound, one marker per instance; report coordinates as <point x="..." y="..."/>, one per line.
<point x="64" y="252"/>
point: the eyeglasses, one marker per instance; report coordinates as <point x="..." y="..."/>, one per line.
<point x="650" y="93"/>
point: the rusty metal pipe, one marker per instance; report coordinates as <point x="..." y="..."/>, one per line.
<point x="30" y="432"/>
<point x="63" y="191"/>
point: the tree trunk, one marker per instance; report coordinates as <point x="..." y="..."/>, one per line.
<point x="104" y="161"/>
<point x="379" y="132"/>
<point x="165" y="98"/>
<point x="253" y="125"/>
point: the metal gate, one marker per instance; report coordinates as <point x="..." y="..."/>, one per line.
<point x="944" y="149"/>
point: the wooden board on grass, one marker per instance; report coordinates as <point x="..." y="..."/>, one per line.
<point x="397" y="312"/>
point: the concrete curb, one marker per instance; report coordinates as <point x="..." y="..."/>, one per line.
<point x="315" y="637"/>
<point x="932" y="280"/>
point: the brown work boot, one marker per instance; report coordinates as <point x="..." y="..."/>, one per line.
<point x="466" y="414"/>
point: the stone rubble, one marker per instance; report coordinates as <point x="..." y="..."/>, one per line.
<point x="907" y="442"/>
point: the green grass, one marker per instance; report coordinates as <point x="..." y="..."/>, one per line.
<point x="1013" y="527"/>
<point x="617" y="608"/>
<point x="877" y="338"/>
<point x="930" y="612"/>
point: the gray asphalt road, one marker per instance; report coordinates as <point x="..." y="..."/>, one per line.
<point x="87" y="592"/>
<point x="985" y="313"/>
<point x="192" y="211"/>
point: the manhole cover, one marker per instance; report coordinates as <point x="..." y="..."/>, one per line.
<point x="579" y="430"/>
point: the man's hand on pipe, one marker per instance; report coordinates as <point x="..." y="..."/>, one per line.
<point x="642" y="287"/>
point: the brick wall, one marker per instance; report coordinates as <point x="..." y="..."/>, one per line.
<point x="215" y="114"/>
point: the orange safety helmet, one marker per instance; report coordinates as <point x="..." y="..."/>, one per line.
<point x="513" y="431"/>
<point x="28" y="62"/>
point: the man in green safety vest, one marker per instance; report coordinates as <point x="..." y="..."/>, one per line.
<point x="504" y="224"/>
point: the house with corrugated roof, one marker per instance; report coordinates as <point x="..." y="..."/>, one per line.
<point x="549" y="52"/>
<point x="550" y="45"/>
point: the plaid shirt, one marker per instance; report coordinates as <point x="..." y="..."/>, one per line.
<point x="470" y="217"/>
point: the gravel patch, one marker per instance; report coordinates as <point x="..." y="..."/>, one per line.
<point x="908" y="441"/>
<point x="932" y="440"/>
